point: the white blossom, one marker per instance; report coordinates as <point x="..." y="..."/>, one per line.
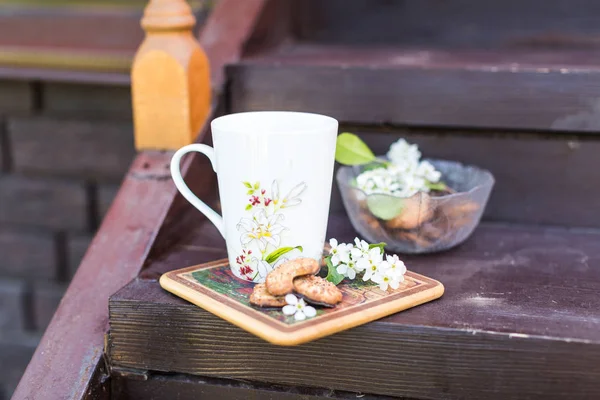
<point x="385" y="278"/>
<point x="370" y="262"/>
<point x="384" y="269"/>
<point x="404" y="176"/>
<point x="347" y="269"/>
<point x="361" y="245"/>
<point x="298" y="308"/>
<point x="396" y="266"/>
<point x="401" y="152"/>
<point x="340" y="253"/>
<point x="427" y="171"/>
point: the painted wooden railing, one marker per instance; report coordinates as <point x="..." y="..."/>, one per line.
<point x="171" y="107"/>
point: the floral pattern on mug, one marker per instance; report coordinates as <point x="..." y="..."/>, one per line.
<point x="261" y="232"/>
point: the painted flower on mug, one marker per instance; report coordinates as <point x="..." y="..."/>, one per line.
<point x="261" y="230"/>
<point x="261" y="233"/>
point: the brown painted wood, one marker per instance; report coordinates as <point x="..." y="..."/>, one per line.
<point x="66" y="75"/>
<point x="520" y="89"/>
<point x="72" y="346"/>
<point x="63" y="365"/>
<point x="541" y="178"/>
<point x="186" y="387"/>
<point x="84" y="37"/>
<point x="551" y="24"/>
<point x="225" y="33"/>
<point x="519" y="319"/>
<point x="99" y="387"/>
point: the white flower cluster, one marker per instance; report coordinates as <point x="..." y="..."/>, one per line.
<point x="404" y="176"/>
<point x="349" y="260"/>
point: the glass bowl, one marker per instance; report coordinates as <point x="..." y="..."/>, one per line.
<point x="425" y="222"/>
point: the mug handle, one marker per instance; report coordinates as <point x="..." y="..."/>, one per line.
<point x="185" y="191"/>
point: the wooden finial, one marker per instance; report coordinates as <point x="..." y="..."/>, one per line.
<point x="170" y="78"/>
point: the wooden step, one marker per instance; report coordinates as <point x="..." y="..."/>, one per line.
<point x="158" y="386"/>
<point x="528" y="89"/>
<point x="519" y="318"/>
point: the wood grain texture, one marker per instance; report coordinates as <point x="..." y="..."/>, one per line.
<point x="160" y="387"/>
<point x="514" y="90"/>
<point x="170" y="79"/>
<point x="519" y="319"/>
<point x="64" y="363"/>
<point x="67" y="75"/>
<point x="456" y="24"/>
<point x="224" y="35"/>
<point x="73" y="36"/>
<point x="80" y="148"/>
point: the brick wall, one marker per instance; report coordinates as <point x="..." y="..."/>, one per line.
<point x="63" y="151"/>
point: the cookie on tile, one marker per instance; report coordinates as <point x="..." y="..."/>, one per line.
<point x="262" y="298"/>
<point x="280" y="281"/>
<point x="317" y="290"/>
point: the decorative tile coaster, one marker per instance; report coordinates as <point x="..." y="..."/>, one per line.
<point x="213" y="287"/>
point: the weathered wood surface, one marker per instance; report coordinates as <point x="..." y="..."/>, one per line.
<point x="65" y="75"/>
<point x="457" y="24"/>
<point x="63" y="365"/>
<point x="225" y="34"/>
<point x="160" y="387"/>
<point x="519" y="319"/>
<point x="72" y="346"/>
<point x="95" y="36"/>
<point x="540" y="178"/>
<point x="520" y="89"/>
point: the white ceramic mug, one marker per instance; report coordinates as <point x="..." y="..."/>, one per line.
<point x="275" y="171"/>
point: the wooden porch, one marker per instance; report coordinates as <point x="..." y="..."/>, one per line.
<point x="519" y="318"/>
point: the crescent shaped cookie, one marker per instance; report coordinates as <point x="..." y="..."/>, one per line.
<point x="280" y="281"/>
<point x="262" y="298"/>
<point x="317" y="290"/>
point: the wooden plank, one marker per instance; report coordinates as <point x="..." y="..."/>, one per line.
<point x="63" y="364"/>
<point x="515" y="90"/>
<point x="528" y="167"/>
<point x="159" y="387"/>
<point x="225" y="33"/>
<point x="98" y="37"/>
<point x="519" y="320"/>
<point x="66" y="75"/>
<point x="456" y="24"/>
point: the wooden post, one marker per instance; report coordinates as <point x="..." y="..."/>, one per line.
<point x="170" y="79"/>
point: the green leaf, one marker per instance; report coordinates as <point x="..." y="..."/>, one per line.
<point x="351" y="150"/>
<point x="256" y="185"/>
<point x="381" y="246"/>
<point x="384" y="206"/>
<point x="247" y="184"/>
<point x="271" y="258"/>
<point x="375" y="165"/>
<point x="251" y="191"/>
<point x="436" y="186"/>
<point x="332" y="275"/>
<point x="248" y="207"/>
